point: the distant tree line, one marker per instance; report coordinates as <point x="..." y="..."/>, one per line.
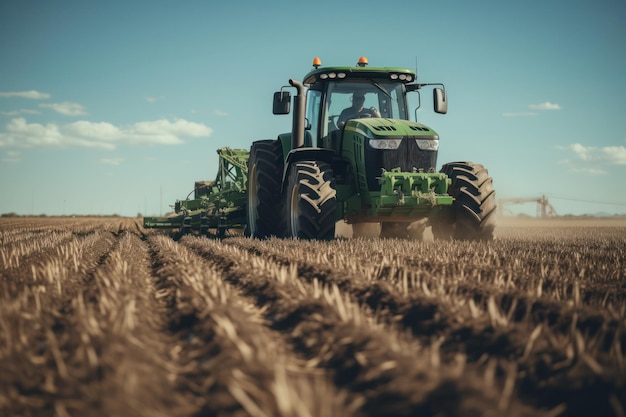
<point x="12" y="214"/>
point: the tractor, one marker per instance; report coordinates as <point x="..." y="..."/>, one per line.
<point x="374" y="166"/>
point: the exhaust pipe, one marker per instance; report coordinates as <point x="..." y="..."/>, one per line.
<point x="299" y="107"/>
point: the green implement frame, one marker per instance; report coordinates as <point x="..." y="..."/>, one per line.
<point x="217" y="205"/>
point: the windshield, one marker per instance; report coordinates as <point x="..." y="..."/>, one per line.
<point x="386" y="98"/>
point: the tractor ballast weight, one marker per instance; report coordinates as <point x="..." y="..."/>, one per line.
<point x="217" y="205"/>
<point x="371" y="166"/>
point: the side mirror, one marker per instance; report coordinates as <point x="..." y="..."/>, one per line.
<point x="282" y="102"/>
<point x="440" y="100"/>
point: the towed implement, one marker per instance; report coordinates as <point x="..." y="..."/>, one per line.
<point x="217" y="205"/>
<point x="353" y="154"/>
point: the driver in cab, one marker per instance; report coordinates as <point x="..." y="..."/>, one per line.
<point x="356" y="110"/>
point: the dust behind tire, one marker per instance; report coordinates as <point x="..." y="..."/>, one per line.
<point x="265" y="170"/>
<point x="310" y="201"/>
<point x="397" y="230"/>
<point x="472" y="216"/>
<point x="366" y="230"/>
<point x="404" y="230"/>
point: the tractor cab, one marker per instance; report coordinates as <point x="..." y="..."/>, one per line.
<point x="330" y="92"/>
<point x="331" y="104"/>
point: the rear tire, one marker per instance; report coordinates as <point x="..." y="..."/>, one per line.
<point x="310" y="201"/>
<point x="265" y="171"/>
<point x="472" y="215"/>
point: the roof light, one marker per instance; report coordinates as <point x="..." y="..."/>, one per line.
<point x="317" y="62"/>
<point x="394" y="76"/>
<point x="362" y="62"/>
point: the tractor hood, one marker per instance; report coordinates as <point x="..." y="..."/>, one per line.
<point x="393" y="144"/>
<point x="379" y="128"/>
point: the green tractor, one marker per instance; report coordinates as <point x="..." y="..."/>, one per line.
<point x="354" y="155"/>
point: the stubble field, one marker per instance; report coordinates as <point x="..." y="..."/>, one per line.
<point x="101" y="317"/>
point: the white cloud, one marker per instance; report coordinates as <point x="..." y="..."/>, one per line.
<point x="221" y="113"/>
<point x="67" y="108"/>
<point x="544" y="106"/>
<point x="32" y="94"/>
<point x="615" y="154"/>
<point x="19" y="133"/>
<point x="612" y="155"/>
<point x="165" y="132"/>
<point x="593" y="160"/>
<point x="101" y="131"/>
<point x="112" y="161"/>
<point x="582" y="151"/>
<point x="18" y="112"/>
<point x="519" y="114"/>
<point x="151" y="99"/>
<point x="12" y="156"/>
<point x="590" y="171"/>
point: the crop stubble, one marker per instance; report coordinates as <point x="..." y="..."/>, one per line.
<point x="100" y="317"/>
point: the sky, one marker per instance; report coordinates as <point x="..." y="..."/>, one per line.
<point x="117" y="107"/>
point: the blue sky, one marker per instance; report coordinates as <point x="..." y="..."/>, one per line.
<point x="118" y="107"/>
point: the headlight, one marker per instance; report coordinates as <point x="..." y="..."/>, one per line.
<point x="385" y="143"/>
<point x="427" y="144"/>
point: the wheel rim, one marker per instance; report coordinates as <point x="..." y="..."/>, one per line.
<point x="294" y="211"/>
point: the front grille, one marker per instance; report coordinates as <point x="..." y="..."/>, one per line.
<point x="407" y="157"/>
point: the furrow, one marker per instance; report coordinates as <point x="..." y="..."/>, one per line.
<point x="42" y="346"/>
<point x="540" y="336"/>
<point x="395" y="375"/>
<point x="231" y="362"/>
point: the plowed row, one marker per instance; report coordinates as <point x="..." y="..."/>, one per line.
<point x="101" y="317"/>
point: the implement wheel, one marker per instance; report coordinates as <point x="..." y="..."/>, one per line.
<point x="265" y="171"/>
<point x="472" y="216"/>
<point x="310" y="201"/>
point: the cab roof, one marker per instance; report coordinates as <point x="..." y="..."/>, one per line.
<point x="360" y="71"/>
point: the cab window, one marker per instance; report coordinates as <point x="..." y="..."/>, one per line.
<point x="314" y="98"/>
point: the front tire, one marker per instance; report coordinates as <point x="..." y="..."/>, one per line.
<point x="310" y="201"/>
<point x="472" y="216"/>
<point x="265" y="171"/>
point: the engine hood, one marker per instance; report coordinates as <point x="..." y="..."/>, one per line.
<point x="380" y="128"/>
